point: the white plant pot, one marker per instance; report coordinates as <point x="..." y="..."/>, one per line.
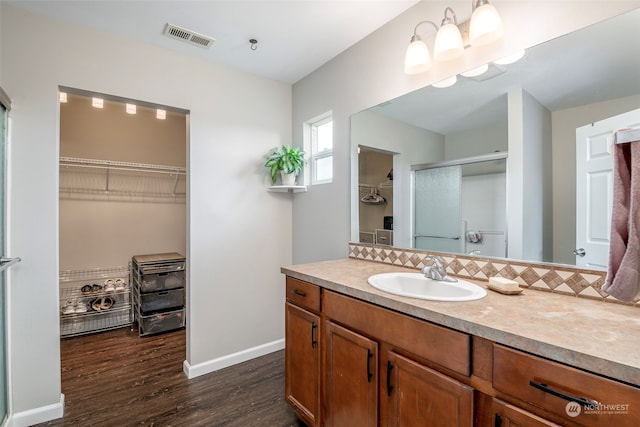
<point x="288" y="179"/>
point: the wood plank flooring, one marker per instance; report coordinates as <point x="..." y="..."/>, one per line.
<point x="116" y="378"/>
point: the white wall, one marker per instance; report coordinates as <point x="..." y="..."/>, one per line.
<point x="370" y="72"/>
<point x="238" y="233"/>
<point x="413" y="145"/>
<point x="476" y="142"/>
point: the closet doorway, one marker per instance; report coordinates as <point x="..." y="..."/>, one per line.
<point x="122" y="190"/>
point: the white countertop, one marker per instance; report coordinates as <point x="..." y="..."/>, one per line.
<point x="596" y="336"/>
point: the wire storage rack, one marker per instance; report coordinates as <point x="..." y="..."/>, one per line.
<point x="94" y="300"/>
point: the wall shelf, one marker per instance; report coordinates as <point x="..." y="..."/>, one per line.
<point x="79" y="176"/>
<point x="288" y="188"/>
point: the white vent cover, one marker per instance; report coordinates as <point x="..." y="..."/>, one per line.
<point x="188" y="36"/>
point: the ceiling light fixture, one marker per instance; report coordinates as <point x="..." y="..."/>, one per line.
<point x="254" y="44"/>
<point x="484" y="27"/>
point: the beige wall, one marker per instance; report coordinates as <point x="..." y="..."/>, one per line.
<point x="99" y="231"/>
<point x="373" y="169"/>
<point x="110" y="133"/>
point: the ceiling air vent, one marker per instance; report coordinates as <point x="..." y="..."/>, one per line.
<point x="188" y="36"/>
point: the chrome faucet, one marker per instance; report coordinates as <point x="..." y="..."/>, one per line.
<point x="437" y="270"/>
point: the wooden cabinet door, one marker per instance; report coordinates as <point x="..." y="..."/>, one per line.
<point x="302" y="363"/>
<point x="351" y="378"/>
<point x="506" y="415"/>
<point x="420" y="396"/>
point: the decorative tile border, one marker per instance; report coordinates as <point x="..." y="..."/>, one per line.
<point x="559" y="279"/>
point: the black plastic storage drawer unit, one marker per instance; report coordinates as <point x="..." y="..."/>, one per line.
<point x="158" y="282"/>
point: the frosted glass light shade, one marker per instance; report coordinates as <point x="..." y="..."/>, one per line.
<point x="486" y="26"/>
<point x="449" y="81"/>
<point x="417" y="59"/>
<point x="475" y="72"/>
<point x="448" y="44"/>
<point x="510" y="59"/>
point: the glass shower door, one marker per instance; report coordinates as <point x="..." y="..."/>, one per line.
<point x="437" y="209"/>
<point x="4" y="263"/>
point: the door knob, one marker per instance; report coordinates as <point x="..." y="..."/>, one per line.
<point x="579" y="252"/>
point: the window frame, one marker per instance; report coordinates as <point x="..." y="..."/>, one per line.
<point x="315" y="155"/>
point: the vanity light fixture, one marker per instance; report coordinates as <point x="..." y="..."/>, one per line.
<point x="62" y="97"/>
<point x="161" y="114"/>
<point x="484" y="27"/>
<point x="448" y="44"/>
<point x="97" y="102"/>
<point x="486" y="24"/>
<point x="130" y="108"/>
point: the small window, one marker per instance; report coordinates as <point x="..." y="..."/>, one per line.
<point x="321" y="162"/>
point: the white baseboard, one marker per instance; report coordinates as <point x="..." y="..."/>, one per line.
<point x="192" y="371"/>
<point x="37" y="415"/>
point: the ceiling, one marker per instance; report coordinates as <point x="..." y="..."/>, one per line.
<point x="295" y="37"/>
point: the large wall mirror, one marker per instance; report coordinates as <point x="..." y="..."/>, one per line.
<point x="534" y="116"/>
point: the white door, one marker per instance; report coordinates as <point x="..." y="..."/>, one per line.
<point x="594" y="187"/>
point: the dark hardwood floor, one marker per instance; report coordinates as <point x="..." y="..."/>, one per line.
<point x="116" y="378"/>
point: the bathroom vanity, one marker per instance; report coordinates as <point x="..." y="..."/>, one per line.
<point x="358" y="356"/>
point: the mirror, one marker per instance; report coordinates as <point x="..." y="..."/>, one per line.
<point x="559" y="86"/>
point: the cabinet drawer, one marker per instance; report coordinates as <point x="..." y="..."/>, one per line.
<point x="160" y="281"/>
<point x="161" y="322"/>
<point x="445" y="347"/>
<point x="556" y="388"/>
<point x="155" y="301"/>
<point x="303" y="294"/>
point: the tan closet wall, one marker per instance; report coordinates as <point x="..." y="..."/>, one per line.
<point x="373" y="169"/>
<point x="102" y="231"/>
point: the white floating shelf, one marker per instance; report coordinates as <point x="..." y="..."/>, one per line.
<point x="288" y="188"/>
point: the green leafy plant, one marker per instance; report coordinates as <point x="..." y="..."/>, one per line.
<point x="286" y="159"/>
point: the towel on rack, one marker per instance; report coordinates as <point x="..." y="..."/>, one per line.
<point x="623" y="274"/>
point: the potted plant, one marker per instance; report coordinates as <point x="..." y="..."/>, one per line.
<point x="287" y="161"/>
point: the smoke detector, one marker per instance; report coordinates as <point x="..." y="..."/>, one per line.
<point x="188" y="36"/>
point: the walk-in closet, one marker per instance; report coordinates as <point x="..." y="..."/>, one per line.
<point x="122" y="196"/>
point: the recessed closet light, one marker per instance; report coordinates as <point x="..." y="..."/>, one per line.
<point x="63" y="97"/>
<point x="161" y="114"/>
<point x="131" y="108"/>
<point x="97" y="102"/>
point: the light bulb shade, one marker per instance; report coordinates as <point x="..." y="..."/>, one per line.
<point x="486" y="26"/>
<point x="475" y="72"/>
<point x="418" y="58"/>
<point x="448" y="44"/>
<point x="449" y="81"/>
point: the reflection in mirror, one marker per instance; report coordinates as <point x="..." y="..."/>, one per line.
<point x="530" y="110"/>
<point x="460" y="207"/>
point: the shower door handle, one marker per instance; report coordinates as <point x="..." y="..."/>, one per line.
<point x="579" y="252"/>
<point x="8" y="262"/>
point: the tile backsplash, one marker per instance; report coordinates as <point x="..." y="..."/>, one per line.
<point x="559" y="279"/>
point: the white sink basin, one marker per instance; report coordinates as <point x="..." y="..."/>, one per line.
<point x="415" y="285"/>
